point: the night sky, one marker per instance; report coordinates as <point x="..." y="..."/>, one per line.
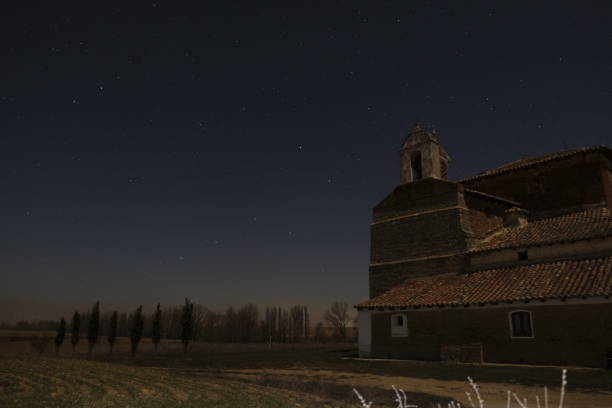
<point x="232" y="151"/>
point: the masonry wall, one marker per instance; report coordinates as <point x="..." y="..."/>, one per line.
<point x="563" y="334"/>
<point x="509" y="257"/>
<point x="419" y="236"/>
<point x="385" y="276"/>
<point x="420" y="229"/>
<point x="569" y="182"/>
<point x="606" y="176"/>
<point x="417" y="197"/>
<point x="486" y="215"/>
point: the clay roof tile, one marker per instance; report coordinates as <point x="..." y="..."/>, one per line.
<point x="560" y="279"/>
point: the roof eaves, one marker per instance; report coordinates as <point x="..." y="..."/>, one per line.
<point x="536" y="244"/>
<point x="544" y="159"/>
<point x="492" y="197"/>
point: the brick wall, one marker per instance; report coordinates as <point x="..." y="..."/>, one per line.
<point x="429" y="234"/>
<point x="422" y="195"/>
<point x="565" y="183"/>
<point x="565" y="250"/>
<point x="417" y="231"/>
<point x="563" y="334"/>
<point x="384" y="277"/>
<point x="486" y="215"/>
<point x="606" y="176"/>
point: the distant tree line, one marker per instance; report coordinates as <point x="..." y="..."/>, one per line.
<point x="190" y="321"/>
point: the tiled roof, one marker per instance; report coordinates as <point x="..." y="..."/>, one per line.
<point x="535" y="160"/>
<point x="587" y="224"/>
<point x="553" y="280"/>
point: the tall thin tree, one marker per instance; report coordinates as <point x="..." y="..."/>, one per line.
<point x="156" y="327"/>
<point x="75" y="327"/>
<point x="61" y="334"/>
<point x="187" y="324"/>
<point x="93" y="327"/>
<point x="112" y="331"/>
<point x="136" y="329"/>
<point x="306" y="324"/>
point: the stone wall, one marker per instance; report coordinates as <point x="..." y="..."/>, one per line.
<point x="568" y="334"/>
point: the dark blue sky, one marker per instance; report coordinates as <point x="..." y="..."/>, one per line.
<point x="232" y="151"/>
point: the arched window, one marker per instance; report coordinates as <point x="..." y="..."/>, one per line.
<point x="521" y="325"/>
<point x="417" y="167"/>
<point x="399" y="325"/>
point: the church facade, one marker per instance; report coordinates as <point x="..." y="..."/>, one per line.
<point x="513" y="265"/>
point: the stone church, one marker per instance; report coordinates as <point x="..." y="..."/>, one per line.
<point x="513" y="265"/>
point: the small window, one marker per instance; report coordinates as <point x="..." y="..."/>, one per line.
<point x="399" y="325"/>
<point x="521" y="324"/>
<point x="523" y="255"/>
<point x="443" y="169"/>
<point x="417" y="166"/>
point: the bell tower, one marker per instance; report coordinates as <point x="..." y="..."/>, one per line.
<point x="422" y="157"/>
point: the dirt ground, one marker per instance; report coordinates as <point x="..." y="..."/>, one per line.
<point x="326" y="372"/>
<point x="494" y="394"/>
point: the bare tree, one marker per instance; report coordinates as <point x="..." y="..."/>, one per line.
<point x="171" y="322"/>
<point x="123" y="329"/>
<point x="299" y="323"/>
<point x="296" y="321"/>
<point x="319" y="334"/>
<point x="199" y="318"/>
<point x="213" y="326"/>
<point x="338" y="318"/>
<point x="270" y="325"/>
<point x="283" y="325"/>
<point x="40" y="342"/>
<point x="306" y="324"/>
<point x="247" y="322"/>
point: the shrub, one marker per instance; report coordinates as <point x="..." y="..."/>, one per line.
<point x="40" y="343"/>
<point x="400" y="397"/>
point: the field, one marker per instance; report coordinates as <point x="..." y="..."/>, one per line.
<point x="254" y="375"/>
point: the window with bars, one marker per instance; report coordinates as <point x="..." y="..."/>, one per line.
<point x="521" y="324"/>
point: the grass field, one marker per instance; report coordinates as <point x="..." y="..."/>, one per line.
<point x="253" y="375"/>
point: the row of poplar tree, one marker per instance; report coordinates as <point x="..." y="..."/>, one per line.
<point x="136" y="328"/>
<point x="191" y="322"/>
